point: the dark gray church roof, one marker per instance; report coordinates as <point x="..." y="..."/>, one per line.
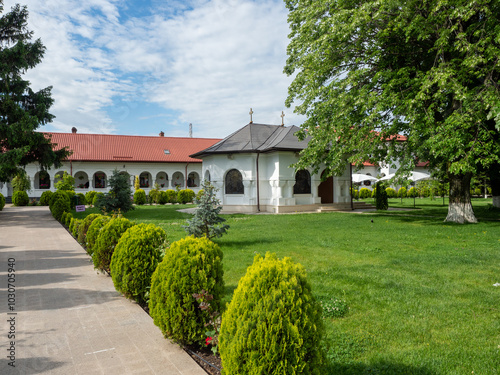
<point x="257" y="138"/>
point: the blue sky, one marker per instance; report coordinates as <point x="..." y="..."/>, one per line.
<point x="145" y="66"/>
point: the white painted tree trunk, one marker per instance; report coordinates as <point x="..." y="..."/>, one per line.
<point x="460" y="208"/>
<point x="496" y="201"/>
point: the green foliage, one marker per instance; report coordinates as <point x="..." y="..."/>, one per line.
<point x="171" y="196"/>
<point x="354" y="193"/>
<point x="364" y="193"/>
<point x="135" y="259"/>
<point x="81" y="198"/>
<point x="22" y="111"/>
<point x="391" y="193"/>
<point x="137" y="183"/>
<point x="66" y="182"/>
<point x="163" y="197"/>
<point x="93" y="231"/>
<point x="154" y="196"/>
<point x="199" y="194"/>
<point x="412" y="193"/>
<point x="334" y="307"/>
<point x="89" y="197"/>
<point x="45" y="198"/>
<point x="119" y="196"/>
<point x="2" y="201"/>
<point x="71" y="224"/>
<point x="374" y="192"/>
<point x="190" y="265"/>
<point x="84" y="227"/>
<point x="76" y="227"/>
<point x="67" y="220"/>
<point x="20" y="198"/>
<point x="97" y="197"/>
<point x="273" y="323"/>
<point x="367" y="71"/>
<point x="106" y="242"/>
<point x="206" y="220"/>
<point x="140" y="197"/>
<point x="185" y="196"/>
<point x="21" y="182"/>
<point x="402" y="192"/>
<point x="381" y="201"/>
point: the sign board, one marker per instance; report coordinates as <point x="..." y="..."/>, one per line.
<point x="80" y="208"/>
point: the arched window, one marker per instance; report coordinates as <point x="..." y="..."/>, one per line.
<point x="43" y="180"/>
<point x="302" y="182"/>
<point x="234" y="182"/>
<point x="193" y="180"/>
<point x="207" y="176"/>
<point x="99" y="180"/>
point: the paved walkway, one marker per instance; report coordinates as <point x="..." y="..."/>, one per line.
<point x="69" y="319"/>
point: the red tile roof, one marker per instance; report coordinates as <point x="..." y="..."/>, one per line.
<point x="131" y="148"/>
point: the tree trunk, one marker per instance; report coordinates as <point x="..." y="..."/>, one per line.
<point x="460" y="207"/>
<point x="495" y="184"/>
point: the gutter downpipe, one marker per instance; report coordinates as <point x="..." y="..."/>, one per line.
<point x="186" y="176"/>
<point x="350" y="190"/>
<point x="258" y="190"/>
<point x="71" y="168"/>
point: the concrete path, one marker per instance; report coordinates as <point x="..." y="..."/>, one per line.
<point x="66" y="318"/>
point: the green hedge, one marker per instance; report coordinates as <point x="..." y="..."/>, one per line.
<point x="273" y="324"/>
<point x="190" y="265"/>
<point x="140" y="197"/>
<point x="93" y="231"/>
<point x="106" y="242"/>
<point x="20" y="198"/>
<point x="45" y="198"/>
<point x="84" y="227"/>
<point x="135" y="259"/>
<point x="59" y="203"/>
<point x="185" y="196"/>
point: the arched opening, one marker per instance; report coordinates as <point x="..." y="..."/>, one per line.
<point x="81" y="180"/>
<point x="325" y="189"/>
<point x="162" y="179"/>
<point x="302" y="182"/>
<point x="144" y="179"/>
<point x="207" y="176"/>
<point x="99" y="180"/>
<point x="178" y="180"/>
<point x="193" y="180"/>
<point x="234" y="182"/>
<point x="42" y="180"/>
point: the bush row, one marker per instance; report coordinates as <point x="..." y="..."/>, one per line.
<point x="164" y="196"/>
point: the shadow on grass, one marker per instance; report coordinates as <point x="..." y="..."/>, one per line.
<point x="382" y="367"/>
<point x="244" y="243"/>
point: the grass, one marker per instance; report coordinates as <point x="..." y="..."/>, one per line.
<point x="419" y="291"/>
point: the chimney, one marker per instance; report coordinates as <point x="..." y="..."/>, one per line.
<point x="190" y="130"/>
<point x="73" y="130"/>
<point x="162" y="134"/>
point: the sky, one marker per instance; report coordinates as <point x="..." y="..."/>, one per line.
<point x="138" y="67"/>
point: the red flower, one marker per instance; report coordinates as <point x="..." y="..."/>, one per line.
<point x="208" y="340"/>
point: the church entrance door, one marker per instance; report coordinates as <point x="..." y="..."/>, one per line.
<point x="325" y="190"/>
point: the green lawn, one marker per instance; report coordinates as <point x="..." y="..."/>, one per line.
<point x="420" y="291"/>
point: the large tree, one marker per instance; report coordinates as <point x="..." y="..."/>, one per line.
<point x="22" y="110"/>
<point x="367" y="71"/>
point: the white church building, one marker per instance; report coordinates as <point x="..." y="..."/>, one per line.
<point x="251" y="168"/>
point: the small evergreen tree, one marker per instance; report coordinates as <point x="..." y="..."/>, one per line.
<point x="206" y="220"/>
<point x="381" y="201"/>
<point x="137" y="184"/>
<point x="120" y="193"/>
<point x="21" y="182"/>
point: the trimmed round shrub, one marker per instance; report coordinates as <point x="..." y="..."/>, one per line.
<point x="63" y="218"/>
<point x="20" y="198"/>
<point x="163" y="197"/>
<point x="185" y="196"/>
<point x="98" y="195"/>
<point x="106" y="242"/>
<point x="45" y="198"/>
<point x="93" y="231"/>
<point x="402" y="192"/>
<point x="171" y="196"/>
<point x="412" y="192"/>
<point x="84" y="227"/>
<point x="71" y="195"/>
<point x="364" y="193"/>
<point x="140" y="197"/>
<point x="67" y="220"/>
<point x="76" y="227"/>
<point x="59" y="203"/>
<point x="154" y="196"/>
<point x="89" y="197"/>
<point x="81" y="198"/>
<point x="2" y="201"/>
<point x="391" y="193"/>
<point x="273" y="323"/>
<point x="190" y="266"/>
<point x="135" y="259"/>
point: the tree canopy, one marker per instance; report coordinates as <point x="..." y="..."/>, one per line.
<point x="22" y="110"/>
<point x="368" y="71"/>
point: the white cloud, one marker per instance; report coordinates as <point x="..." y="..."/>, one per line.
<point x="208" y="61"/>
